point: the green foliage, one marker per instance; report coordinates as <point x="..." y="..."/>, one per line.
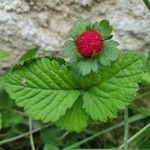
<point x="70" y="51"/>
<point x="116" y="88"/>
<point x="86" y="66"/>
<point x="45" y="89"/>
<point x="50" y="147"/>
<point x="103" y="27"/>
<point x="50" y="135"/>
<point x="3" y="54"/>
<point x="48" y="92"/>
<point x="75" y="118"/>
<point x="146" y="77"/>
<point x="80" y="26"/>
<point x="8" y="116"/>
<point x="29" y="54"/>
<point x="109" y="53"/>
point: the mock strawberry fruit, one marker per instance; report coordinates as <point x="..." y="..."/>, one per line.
<point x="89" y="42"/>
<point x="91" y="46"/>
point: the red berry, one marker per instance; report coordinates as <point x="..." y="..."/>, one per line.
<point x="89" y="42"/>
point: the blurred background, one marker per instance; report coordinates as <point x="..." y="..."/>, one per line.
<point x="26" y="23"/>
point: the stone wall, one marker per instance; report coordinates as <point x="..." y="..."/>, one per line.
<point x="25" y="23"/>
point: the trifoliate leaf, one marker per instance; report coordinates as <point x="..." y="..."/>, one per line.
<point x="109" y="53"/>
<point x="104" y="28"/>
<point x="117" y="85"/>
<point x="3" y="54"/>
<point x="75" y="118"/>
<point x="79" y="26"/>
<point x="43" y="87"/>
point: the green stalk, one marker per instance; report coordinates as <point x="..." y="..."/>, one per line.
<point x="126" y="128"/>
<point x="130" y="120"/>
<point x="31" y="136"/>
<point x="22" y="135"/>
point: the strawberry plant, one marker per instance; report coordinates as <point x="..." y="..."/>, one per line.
<point x="95" y="83"/>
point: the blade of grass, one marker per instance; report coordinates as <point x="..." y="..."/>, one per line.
<point x="144" y="130"/>
<point x="130" y="120"/>
<point x="31" y="136"/>
<point x="126" y="128"/>
<point x="22" y="135"/>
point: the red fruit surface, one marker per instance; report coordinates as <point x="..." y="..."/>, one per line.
<point x="89" y="42"/>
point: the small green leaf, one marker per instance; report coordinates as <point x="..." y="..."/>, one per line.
<point x="29" y="54"/>
<point x="87" y="66"/>
<point x="109" y="53"/>
<point x="75" y="118"/>
<point x="79" y="27"/>
<point x="104" y="28"/>
<point x="116" y="86"/>
<point x="84" y="67"/>
<point x="3" y="54"/>
<point x="43" y="87"/>
<point x="70" y="51"/>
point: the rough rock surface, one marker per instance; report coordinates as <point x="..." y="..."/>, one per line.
<point x="25" y="23"/>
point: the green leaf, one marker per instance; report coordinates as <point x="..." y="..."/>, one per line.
<point x="43" y="87"/>
<point x="116" y="86"/>
<point x="79" y="27"/>
<point x="3" y="54"/>
<point x="146" y="77"/>
<point x="75" y="118"/>
<point x="70" y="51"/>
<point x="29" y="54"/>
<point x="109" y="53"/>
<point x="87" y="66"/>
<point x="51" y="135"/>
<point x="50" y="147"/>
<point x="11" y="118"/>
<point x="104" y="28"/>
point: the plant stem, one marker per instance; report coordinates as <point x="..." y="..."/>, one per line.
<point x="130" y="120"/>
<point x="22" y="135"/>
<point x="31" y="136"/>
<point x="126" y="128"/>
